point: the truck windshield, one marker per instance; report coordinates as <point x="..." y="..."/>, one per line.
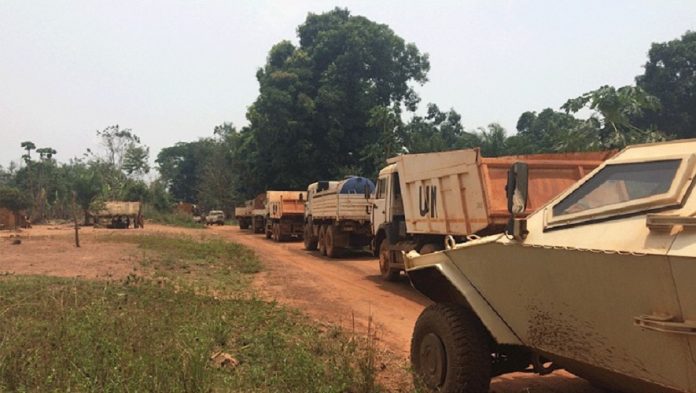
<point x="620" y="183"/>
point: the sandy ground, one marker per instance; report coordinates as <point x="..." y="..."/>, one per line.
<point x="348" y="292"/>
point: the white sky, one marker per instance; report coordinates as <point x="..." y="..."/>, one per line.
<point x="172" y="70"/>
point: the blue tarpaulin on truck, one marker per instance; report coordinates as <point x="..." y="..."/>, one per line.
<point x="356" y="185"/>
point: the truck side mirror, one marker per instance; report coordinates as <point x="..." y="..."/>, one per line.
<point x="516" y="190"/>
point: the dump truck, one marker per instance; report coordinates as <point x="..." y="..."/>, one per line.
<point x="252" y="214"/>
<point x="243" y="214"/>
<point x="598" y="281"/>
<point x="119" y="215"/>
<point x="337" y="215"/>
<point x="285" y="214"/>
<point x="422" y="198"/>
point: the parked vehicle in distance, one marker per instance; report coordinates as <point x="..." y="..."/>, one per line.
<point x="337" y="215"/>
<point x="599" y="281"/>
<point x="285" y="214"/>
<point x="215" y="217"/>
<point x="422" y="198"/>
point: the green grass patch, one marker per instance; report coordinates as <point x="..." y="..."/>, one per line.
<point x="172" y="219"/>
<point x="59" y="335"/>
<point x="207" y="264"/>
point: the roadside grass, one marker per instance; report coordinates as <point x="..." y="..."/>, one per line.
<point x="207" y="265"/>
<point x="172" y="219"/>
<point x="149" y="334"/>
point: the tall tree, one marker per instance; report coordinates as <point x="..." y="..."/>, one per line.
<point x="315" y="114"/>
<point x="670" y="75"/>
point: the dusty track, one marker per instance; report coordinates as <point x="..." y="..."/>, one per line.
<point x="349" y="292"/>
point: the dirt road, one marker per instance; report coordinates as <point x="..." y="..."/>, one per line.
<point x="350" y="292"/>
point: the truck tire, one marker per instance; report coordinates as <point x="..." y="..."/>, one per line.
<point x="330" y="242"/>
<point x="310" y="243"/>
<point x="450" y="350"/>
<point x="276" y="231"/>
<point x="322" y="240"/>
<point x="385" y="269"/>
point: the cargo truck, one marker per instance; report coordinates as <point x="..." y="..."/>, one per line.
<point x="337" y="215"/>
<point x="285" y="214"/>
<point x="421" y="199"/>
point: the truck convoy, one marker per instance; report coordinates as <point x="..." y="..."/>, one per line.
<point x="285" y="214"/>
<point x="337" y="215"/>
<point x="423" y="198"/>
<point x="599" y="280"/>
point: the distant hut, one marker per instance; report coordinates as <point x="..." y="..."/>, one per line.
<point x="9" y="220"/>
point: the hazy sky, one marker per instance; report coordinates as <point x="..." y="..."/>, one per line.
<point x="172" y="70"/>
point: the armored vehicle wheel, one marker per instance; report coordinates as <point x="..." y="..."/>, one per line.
<point x="322" y="240"/>
<point x="385" y="269"/>
<point x="450" y="350"/>
<point x="310" y="244"/>
<point x="330" y="242"/>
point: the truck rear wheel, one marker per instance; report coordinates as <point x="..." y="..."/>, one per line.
<point x="276" y="232"/>
<point x="310" y="244"/>
<point x="330" y="242"/>
<point x="385" y="268"/>
<point x="450" y="350"/>
<point x="322" y="240"/>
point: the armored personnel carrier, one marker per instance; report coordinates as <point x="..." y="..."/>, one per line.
<point x="600" y="280"/>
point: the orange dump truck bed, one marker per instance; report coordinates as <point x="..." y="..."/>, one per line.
<point x="460" y="193"/>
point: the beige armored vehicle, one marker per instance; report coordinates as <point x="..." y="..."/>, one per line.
<point x="285" y="214"/>
<point x="600" y="281"/>
<point x="337" y="216"/>
<point x="421" y="198"/>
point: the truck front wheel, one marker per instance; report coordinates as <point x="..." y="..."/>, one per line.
<point x="385" y="268"/>
<point x="450" y="350"/>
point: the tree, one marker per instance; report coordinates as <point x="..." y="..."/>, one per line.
<point x="13" y="200"/>
<point x="670" y="75"/>
<point x="493" y="140"/>
<point x="615" y="110"/>
<point x="315" y="114"/>
<point x="87" y="183"/>
<point x="437" y="131"/>
<point x="28" y="146"/>
<point x="551" y="131"/>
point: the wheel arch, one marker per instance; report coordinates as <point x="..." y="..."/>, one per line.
<point x="433" y="282"/>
